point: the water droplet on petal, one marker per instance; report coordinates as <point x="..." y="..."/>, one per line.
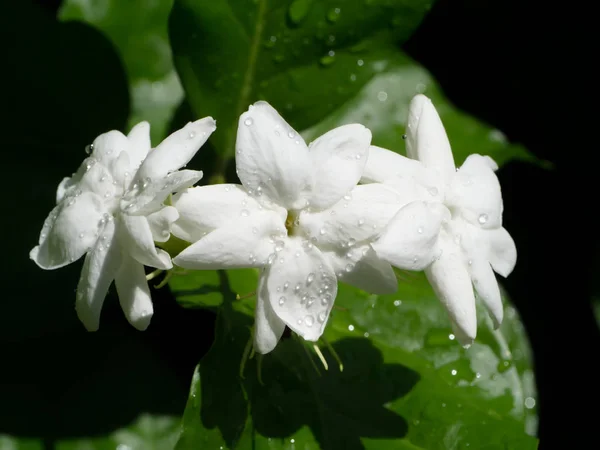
<point x="483" y="218"/>
<point x="248" y="121"/>
<point x="310" y="278"/>
<point x="281" y="301"/>
<point x="322" y="316"/>
<point x="349" y="267"/>
<point x="191" y="135"/>
<point x="309" y="321"/>
<point x="245" y="213"/>
<point x="420" y="230"/>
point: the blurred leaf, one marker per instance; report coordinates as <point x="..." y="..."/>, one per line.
<point x="406" y="382"/>
<point x="382" y="106"/>
<point x="321" y="64"/>
<point x="12" y="443"/>
<point x="146" y="433"/>
<point x="138" y="29"/>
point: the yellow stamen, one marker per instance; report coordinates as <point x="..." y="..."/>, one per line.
<point x="242" y="297"/>
<point x="321" y="357"/>
<point x="334" y="354"/>
<point x="153" y="274"/>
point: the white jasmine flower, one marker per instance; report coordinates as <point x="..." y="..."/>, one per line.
<point x="298" y="215"/>
<point x="112" y="210"/>
<point x="454" y="229"/>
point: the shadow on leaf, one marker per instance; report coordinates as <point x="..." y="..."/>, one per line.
<point x="340" y="408"/>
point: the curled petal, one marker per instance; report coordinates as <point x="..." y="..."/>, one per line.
<point x="272" y="157"/>
<point x="108" y="146"/>
<point x="69" y="231"/>
<point x="475" y="192"/>
<point x="362" y="268"/>
<point x="176" y="150"/>
<point x="161" y="222"/>
<point x="268" y="328"/>
<point x="426" y="138"/>
<point x="244" y="243"/>
<point x="502" y="251"/>
<point x="99" y="270"/>
<point x="358" y="217"/>
<point x="66" y="184"/>
<point x="302" y="288"/>
<point x="134" y="294"/>
<point x="339" y="158"/>
<point x="451" y="282"/>
<point x="139" y="143"/>
<point x="476" y="247"/>
<point x="410" y="241"/>
<point x="135" y="236"/>
<point x="486" y="285"/>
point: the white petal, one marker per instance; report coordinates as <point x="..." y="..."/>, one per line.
<point x="272" y="156"/>
<point x="502" y="253"/>
<point x="268" y="328"/>
<point x="92" y="176"/>
<point x="384" y="164"/>
<point x="359" y="217"/>
<point x="66" y="184"/>
<point x="69" y="231"/>
<point x="411" y="239"/>
<point x="486" y="285"/>
<point x="161" y="222"/>
<point x="475" y="245"/>
<point x="362" y="268"/>
<point x="136" y="237"/>
<point x="148" y="196"/>
<point x="243" y="243"/>
<point x="451" y="282"/>
<point x="475" y="192"/>
<point x="139" y="143"/>
<point x="426" y="139"/>
<point x="205" y="208"/>
<point x="108" y="146"/>
<point x="338" y="158"/>
<point x="99" y="270"/>
<point x="176" y="150"/>
<point x="120" y="168"/>
<point x="134" y="294"/>
<point x="302" y="288"/>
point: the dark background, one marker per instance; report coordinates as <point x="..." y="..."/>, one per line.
<point x="489" y="58"/>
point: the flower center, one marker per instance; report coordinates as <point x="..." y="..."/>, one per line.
<point x="292" y="222"/>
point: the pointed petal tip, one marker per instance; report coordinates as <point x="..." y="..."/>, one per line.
<point x="33" y="254"/>
<point x="142" y="322"/>
<point x="205" y="121"/>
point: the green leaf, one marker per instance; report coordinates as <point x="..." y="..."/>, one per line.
<point x="405" y="384"/>
<point x="295" y="54"/>
<point x="321" y="64"/>
<point x="138" y="29"/>
<point x="146" y="433"/>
